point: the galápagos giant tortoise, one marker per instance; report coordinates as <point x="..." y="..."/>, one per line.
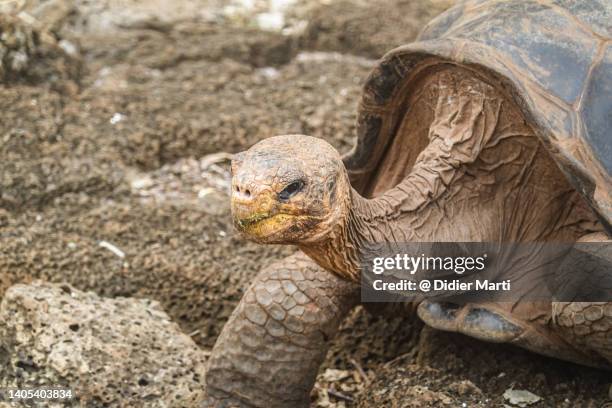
<point x="492" y="127"/>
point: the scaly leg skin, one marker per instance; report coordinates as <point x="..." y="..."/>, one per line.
<point x="574" y="331"/>
<point x="588" y="325"/>
<point x="270" y="350"/>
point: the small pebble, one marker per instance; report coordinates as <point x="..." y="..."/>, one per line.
<point x="117" y="117"/>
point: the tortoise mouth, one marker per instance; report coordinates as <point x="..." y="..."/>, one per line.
<point x="253" y="220"/>
<point x="263" y="225"/>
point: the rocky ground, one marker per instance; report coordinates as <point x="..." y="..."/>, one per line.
<point x="109" y="352"/>
<point x="114" y="176"/>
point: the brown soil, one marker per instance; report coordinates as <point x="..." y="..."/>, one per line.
<point x="125" y="161"/>
<point x="368" y="28"/>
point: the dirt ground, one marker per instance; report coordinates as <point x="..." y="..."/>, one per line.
<point x="115" y="180"/>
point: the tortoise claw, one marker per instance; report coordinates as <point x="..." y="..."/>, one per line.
<point x="439" y="315"/>
<point x="490" y="326"/>
<point x="472" y="320"/>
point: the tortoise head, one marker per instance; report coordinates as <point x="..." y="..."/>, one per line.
<point x="288" y="189"/>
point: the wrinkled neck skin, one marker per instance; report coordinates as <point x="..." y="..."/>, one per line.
<point x="342" y="250"/>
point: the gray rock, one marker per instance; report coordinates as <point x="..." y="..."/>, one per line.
<point x="119" y="352"/>
<point x="520" y="398"/>
<point x="30" y="53"/>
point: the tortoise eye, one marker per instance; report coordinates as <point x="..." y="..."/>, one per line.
<point x="291" y="190"/>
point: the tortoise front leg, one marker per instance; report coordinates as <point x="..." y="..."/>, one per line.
<point x="270" y="350"/>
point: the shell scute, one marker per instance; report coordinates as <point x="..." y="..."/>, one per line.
<point x="596" y="109"/>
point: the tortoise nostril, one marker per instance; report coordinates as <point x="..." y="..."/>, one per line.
<point x="242" y="191"/>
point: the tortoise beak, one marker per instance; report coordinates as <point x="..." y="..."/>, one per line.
<point x="258" y="217"/>
<point x="250" y="207"/>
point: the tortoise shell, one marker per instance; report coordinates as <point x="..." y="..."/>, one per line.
<point x="553" y="57"/>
